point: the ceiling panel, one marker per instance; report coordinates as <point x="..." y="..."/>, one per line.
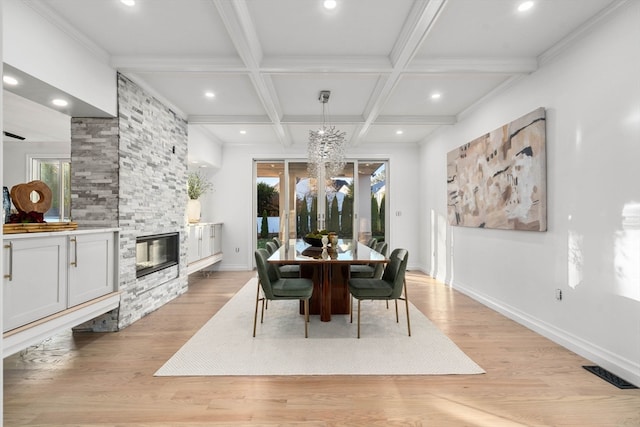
<point x="234" y="93"/>
<point x="254" y="134"/>
<point x="304" y="27"/>
<point x="150" y="28"/>
<point x="388" y="134"/>
<point x="412" y="95"/>
<point x="495" y="29"/>
<point x="350" y="93"/>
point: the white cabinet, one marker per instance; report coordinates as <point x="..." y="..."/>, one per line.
<point x="205" y="245"/>
<point x="91" y="266"/>
<point x="35" y="279"/>
<point x="46" y="273"/>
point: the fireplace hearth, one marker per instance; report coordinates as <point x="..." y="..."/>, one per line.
<point x="155" y="253"/>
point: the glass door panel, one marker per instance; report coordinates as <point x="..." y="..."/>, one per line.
<point x="340" y="203"/>
<point x="304" y="206"/>
<point x="290" y="204"/>
<point x="371" y="200"/>
<point x="270" y="203"/>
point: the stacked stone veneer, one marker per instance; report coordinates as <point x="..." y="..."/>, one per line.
<point x="148" y="178"/>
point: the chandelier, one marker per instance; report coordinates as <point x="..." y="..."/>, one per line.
<point x="326" y="146"/>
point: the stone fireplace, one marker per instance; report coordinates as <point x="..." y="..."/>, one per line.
<point x="131" y="172"/>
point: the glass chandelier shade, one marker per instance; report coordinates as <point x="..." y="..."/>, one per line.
<point x="327" y="146"/>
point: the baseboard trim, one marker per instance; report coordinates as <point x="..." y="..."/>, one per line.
<point x="620" y="366"/>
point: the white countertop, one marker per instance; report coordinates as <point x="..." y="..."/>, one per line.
<point x="79" y="230"/>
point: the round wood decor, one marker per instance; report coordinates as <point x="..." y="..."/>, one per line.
<point x="21" y="197"/>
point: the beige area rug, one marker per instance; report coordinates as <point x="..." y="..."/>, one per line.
<point x="225" y="346"/>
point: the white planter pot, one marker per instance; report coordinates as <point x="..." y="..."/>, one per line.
<point x="193" y="210"/>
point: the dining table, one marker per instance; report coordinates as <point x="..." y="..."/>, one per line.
<point x="328" y="268"/>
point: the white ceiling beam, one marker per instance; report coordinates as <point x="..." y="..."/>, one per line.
<point x="315" y="65"/>
<point x="315" y="119"/>
<point x="326" y="64"/>
<point x="415" y="120"/>
<point x="229" y="120"/>
<point x="424" y="14"/>
<point x="473" y="65"/>
<point x="152" y="64"/>
<point x="239" y="25"/>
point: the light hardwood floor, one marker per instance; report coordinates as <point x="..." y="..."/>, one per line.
<point x="107" y="379"/>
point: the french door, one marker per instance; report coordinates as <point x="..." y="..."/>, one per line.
<point x="290" y="204"/>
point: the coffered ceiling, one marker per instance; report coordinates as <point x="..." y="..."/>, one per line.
<point x="267" y="60"/>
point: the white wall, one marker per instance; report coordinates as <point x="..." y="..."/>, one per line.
<point x="591" y="251"/>
<point x="61" y="61"/>
<point x="234" y="192"/>
<point x="204" y="148"/>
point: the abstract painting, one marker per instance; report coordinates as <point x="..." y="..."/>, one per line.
<point x="499" y="179"/>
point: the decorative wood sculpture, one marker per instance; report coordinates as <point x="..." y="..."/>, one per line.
<point x="21" y="196"/>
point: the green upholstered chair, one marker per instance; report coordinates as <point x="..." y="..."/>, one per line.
<point x="277" y="241"/>
<point x="288" y="271"/>
<point x="389" y="287"/>
<point x="271" y="247"/>
<point x="275" y="287"/>
<point x="369" y="271"/>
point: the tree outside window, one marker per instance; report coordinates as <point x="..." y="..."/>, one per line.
<point x="56" y="173"/>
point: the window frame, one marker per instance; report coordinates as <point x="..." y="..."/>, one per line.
<point x="33" y="173"/>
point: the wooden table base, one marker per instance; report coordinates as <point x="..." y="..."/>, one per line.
<point x="330" y="288"/>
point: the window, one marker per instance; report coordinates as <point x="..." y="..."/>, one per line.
<point x="56" y="173"/>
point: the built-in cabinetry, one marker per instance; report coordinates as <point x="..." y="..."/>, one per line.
<point x="205" y="245"/>
<point x="63" y="276"/>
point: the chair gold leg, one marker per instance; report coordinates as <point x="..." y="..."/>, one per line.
<point x="255" y="314"/>
<point x="306" y="318"/>
<point x="406" y="302"/>
<point x="397" y="319"/>
<point x="262" y="313"/>
<point x="358" y="319"/>
<point x="350" y="308"/>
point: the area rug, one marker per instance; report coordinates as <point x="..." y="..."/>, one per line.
<point x="225" y="346"/>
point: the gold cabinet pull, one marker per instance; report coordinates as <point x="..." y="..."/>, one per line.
<point x="74" y="263"/>
<point x="10" y="247"/>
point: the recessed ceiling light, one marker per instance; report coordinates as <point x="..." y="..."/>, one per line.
<point x="10" y="80"/>
<point x="243" y="132"/>
<point x="524" y="6"/>
<point x="60" y="102"/>
<point x="399" y="132"/>
<point x="436" y="95"/>
<point x="330" y="4"/>
<point x="128" y="2"/>
<point x="210" y="94"/>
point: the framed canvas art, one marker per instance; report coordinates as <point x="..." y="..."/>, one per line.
<point x="499" y="179"/>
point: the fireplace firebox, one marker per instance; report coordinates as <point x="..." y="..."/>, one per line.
<point x="157" y="252"/>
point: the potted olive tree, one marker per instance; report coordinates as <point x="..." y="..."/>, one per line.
<point x="197" y="185"/>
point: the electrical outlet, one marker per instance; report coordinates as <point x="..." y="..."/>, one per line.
<point x="559" y="294"/>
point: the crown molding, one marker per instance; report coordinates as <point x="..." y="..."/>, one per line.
<point x="579" y="33"/>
